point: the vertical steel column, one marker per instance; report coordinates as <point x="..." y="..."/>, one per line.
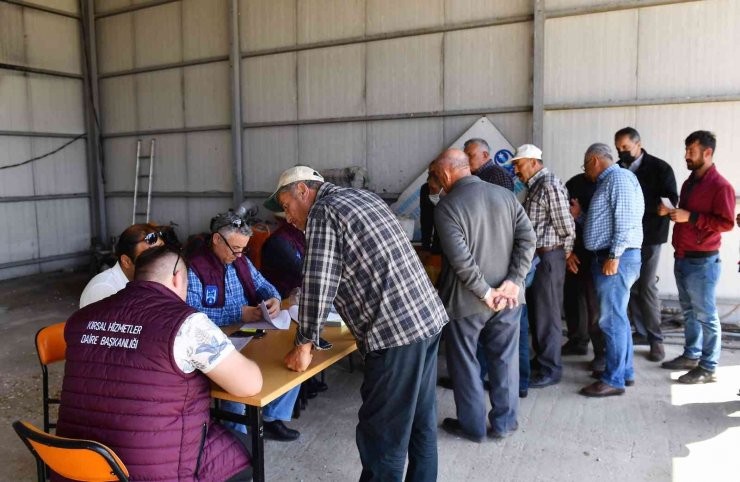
<point x="91" y="102"/>
<point x="236" y="105"/>
<point x="538" y="74"/>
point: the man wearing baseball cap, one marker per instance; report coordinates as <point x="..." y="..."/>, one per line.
<point x="548" y="207"/>
<point x="359" y="258"/>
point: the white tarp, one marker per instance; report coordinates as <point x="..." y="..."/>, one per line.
<point x="501" y="150"/>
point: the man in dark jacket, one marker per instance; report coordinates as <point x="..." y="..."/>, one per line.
<point x="657" y="181"/>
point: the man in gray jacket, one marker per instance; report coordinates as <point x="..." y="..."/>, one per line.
<point x="488" y="245"/>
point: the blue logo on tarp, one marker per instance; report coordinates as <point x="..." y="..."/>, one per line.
<point x="503" y="156"/>
<point x="211" y="294"/>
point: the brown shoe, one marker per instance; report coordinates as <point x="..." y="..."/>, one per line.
<point x="600" y="389"/>
<point x="657" y="353"/>
<point x="680" y="363"/>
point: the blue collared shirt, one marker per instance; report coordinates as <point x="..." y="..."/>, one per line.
<point x="234" y="296"/>
<point x="614" y="219"/>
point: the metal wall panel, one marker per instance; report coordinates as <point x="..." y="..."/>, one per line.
<point x="159" y="100"/>
<point x="52" y="41"/>
<point x="458" y="11"/>
<point x="331" y="82"/>
<point x="158" y="35"/>
<point x="118" y="214"/>
<point x="703" y="55"/>
<point x="118" y="104"/>
<point x="568" y="134"/>
<point x="208" y="166"/>
<point x="398" y="150"/>
<point x="71" y="6"/>
<point x="56" y="104"/>
<point x="15" y="115"/>
<point x="591" y="57"/>
<point x="170" y="164"/>
<point x="393" y="16"/>
<point x="63" y="226"/>
<point x="119" y="155"/>
<point x="171" y="210"/>
<point x="404" y="75"/>
<point x="563" y="4"/>
<point x="115" y="43"/>
<point x="200" y="212"/>
<point x="205" y="28"/>
<point x="516" y="127"/>
<point x="12" y="41"/>
<point x="269" y="91"/>
<point x="10" y="273"/>
<point x="64" y="172"/>
<point x="268" y="151"/>
<point x="20" y="242"/>
<point x="207" y="99"/>
<point x="481" y="69"/>
<point x="332" y="145"/>
<point x="320" y="20"/>
<point x="258" y="21"/>
<point x="102" y="6"/>
<point x="17" y="181"/>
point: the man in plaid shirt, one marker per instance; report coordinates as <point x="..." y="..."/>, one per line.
<point x="359" y="258"/>
<point x="548" y="207"/>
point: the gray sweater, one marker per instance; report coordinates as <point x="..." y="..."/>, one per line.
<point x="486" y="239"/>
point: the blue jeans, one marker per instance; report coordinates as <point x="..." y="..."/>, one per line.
<point x="524" y="368"/>
<point x="614" y="294"/>
<point x="697" y="286"/>
<point x="279" y="409"/>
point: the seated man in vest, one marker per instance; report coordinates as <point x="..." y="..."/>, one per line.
<point x="137" y="379"/>
<point x="224" y="284"/>
<point x="133" y="241"/>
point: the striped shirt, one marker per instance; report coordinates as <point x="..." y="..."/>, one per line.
<point x="548" y="207"/>
<point x="359" y="258"/>
<point x="234" y="296"/>
<point x="614" y="219"/>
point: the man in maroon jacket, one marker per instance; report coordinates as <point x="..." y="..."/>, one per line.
<point x="706" y="208"/>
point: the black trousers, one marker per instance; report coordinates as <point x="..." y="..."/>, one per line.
<point x="644" y="304"/>
<point x="581" y="306"/>
<point x="544" y="303"/>
<point x="399" y="414"/>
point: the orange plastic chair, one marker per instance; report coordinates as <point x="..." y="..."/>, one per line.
<point x="74" y="459"/>
<point x="51" y="348"/>
<point x="260" y="233"/>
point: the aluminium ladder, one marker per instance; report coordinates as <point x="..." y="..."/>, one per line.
<point x="142" y="216"/>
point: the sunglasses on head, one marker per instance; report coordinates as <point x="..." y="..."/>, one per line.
<point x="151" y="238"/>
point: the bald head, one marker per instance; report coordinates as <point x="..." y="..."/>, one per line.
<point x="451" y="166"/>
<point x="165" y="266"/>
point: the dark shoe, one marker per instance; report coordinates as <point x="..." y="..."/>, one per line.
<point x="638" y="340"/>
<point x="445" y="382"/>
<point x="276" y="430"/>
<point x="657" y="353"/>
<point x="597" y="364"/>
<point x="571" y="348"/>
<point x="680" y="363"/>
<point x="542" y="381"/>
<point x="316" y="385"/>
<point x="697" y="375"/>
<point x="501" y="436"/>
<point x="452" y="426"/>
<point x="524" y="392"/>
<point x="598" y="374"/>
<point x="600" y="389"/>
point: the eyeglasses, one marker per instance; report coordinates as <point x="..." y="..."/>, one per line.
<point x="233" y="251"/>
<point x="152" y="238"/>
<point x="174" y="269"/>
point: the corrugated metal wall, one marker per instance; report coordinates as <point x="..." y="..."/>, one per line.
<point x="44" y="205"/>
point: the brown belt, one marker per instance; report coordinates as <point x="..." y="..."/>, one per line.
<point x="547" y="249"/>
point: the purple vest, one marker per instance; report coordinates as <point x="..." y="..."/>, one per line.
<point x="123" y="388"/>
<point x="212" y="275"/>
<point x="284" y="274"/>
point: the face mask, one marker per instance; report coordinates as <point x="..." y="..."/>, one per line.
<point x="434" y="198"/>
<point x="626" y="158"/>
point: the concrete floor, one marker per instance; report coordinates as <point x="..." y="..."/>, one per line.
<point x="658" y="431"/>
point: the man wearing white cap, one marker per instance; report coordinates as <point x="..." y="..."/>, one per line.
<point x="359" y="258"/>
<point x="548" y="207"/>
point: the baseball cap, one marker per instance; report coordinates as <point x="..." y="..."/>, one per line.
<point x="527" y="151"/>
<point x="294" y="174"/>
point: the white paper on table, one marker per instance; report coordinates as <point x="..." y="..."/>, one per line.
<point x="333" y="316"/>
<point x="667" y="203"/>
<point x="280" y="322"/>
<point x="240" y="341"/>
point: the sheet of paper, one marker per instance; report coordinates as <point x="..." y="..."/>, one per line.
<point x="280" y="322"/>
<point x="667" y="203"/>
<point x="240" y="341"/>
<point x="332" y="318"/>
